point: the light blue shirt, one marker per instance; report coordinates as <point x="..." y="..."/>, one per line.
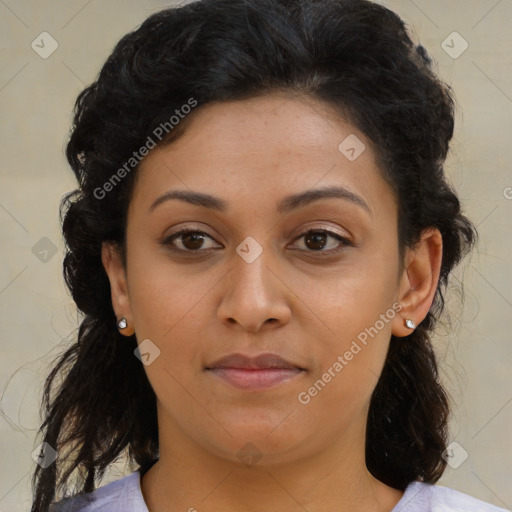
<point x="125" y="495"/>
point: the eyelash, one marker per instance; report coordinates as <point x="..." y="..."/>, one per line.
<point x="169" y="240"/>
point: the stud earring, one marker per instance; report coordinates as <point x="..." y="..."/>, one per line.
<point x="410" y="324"/>
<point x="122" y="325"/>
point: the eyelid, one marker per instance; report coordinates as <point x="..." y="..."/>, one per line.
<point x="327" y="229"/>
<point x="187" y="228"/>
<point x="176" y="234"/>
<point x="343" y="240"/>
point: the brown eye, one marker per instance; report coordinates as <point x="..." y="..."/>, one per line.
<point x="316" y="240"/>
<point x="187" y="240"/>
<point x="190" y="240"/>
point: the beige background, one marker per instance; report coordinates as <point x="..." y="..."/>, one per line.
<point x="36" y="313"/>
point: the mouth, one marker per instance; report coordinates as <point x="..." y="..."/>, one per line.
<point x="254" y="373"/>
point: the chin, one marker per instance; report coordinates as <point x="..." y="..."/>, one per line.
<point x="263" y="443"/>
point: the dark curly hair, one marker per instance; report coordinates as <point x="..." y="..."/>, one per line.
<point x="355" y="56"/>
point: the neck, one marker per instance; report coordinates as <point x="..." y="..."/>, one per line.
<point x="188" y="477"/>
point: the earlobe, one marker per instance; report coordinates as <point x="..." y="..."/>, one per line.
<point x="116" y="272"/>
<point x="419" y="282"/>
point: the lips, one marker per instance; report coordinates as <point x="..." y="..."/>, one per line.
<point x="256" y="374"/>
<point x="261" y="362"/>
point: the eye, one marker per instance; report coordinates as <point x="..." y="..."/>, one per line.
<point x="190" y="240"/>
<point x="316" y="240"/>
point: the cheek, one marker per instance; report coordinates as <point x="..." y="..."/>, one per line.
<point x="352" y="301"/>
<point x="169" y="312"/>
<point x="171" y="317"/>
<point x="165" y="307"/>
<point x="358" y="309"/>
<point x="348" y="373"/>
<point x="160" y="292"/>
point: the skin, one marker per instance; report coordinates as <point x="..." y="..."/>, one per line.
<point x="196" y="309"/>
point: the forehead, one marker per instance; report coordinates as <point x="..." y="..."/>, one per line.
<point x="265" y="147"/>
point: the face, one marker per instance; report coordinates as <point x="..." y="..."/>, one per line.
<point x="314" y="281"/>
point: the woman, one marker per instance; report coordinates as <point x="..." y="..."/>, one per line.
<point x="259" y="244"/>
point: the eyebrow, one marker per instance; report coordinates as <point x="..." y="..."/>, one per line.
<point x="286" y="205"/>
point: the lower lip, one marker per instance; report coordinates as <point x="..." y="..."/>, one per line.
<point x="255" y="379"/>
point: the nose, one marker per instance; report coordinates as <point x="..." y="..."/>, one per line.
<point x="254" y="295"/>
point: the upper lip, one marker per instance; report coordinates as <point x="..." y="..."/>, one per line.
<point x="262" y="361"/>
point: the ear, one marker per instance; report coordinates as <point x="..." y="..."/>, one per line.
<point x="419" y="280"/>
<point x="112" y="262"/>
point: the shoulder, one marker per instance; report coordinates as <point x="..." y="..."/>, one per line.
<point x="122" y="495"/>
<point x="423" y="497"/>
